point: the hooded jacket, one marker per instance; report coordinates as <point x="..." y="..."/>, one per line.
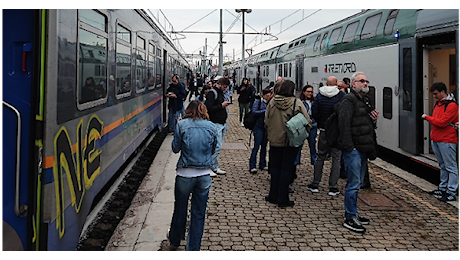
<point x="444" y="112"/>
<point x="279" y="111"/>
<point x="321" y="108"/>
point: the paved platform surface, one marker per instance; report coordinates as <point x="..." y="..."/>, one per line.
<point x="403" y="216"/>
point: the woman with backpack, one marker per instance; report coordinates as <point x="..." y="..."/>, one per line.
<point x="280" y="110"/>
<point x="260" y="134"/>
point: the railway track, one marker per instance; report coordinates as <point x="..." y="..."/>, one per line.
<point x="101" y="229"/>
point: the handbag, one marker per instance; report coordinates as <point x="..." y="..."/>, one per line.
<point x="297" y="129"/>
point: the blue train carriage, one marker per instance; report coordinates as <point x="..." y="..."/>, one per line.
<point x="89" y="90"/>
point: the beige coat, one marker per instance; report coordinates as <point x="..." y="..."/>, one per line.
<point x="279" y="111"/>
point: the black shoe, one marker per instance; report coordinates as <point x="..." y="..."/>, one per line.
<point x="447" y="197"/>
<point x="312" y="188"/>
<point x="333" y="192"/>
<point x="287" y="204"/>
<point x="354" y="225"/>
<point x="366" y="186"/>
<point x="363" y="220"/>
<point x="437" y="193"/>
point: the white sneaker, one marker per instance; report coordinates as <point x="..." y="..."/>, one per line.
<point x="219" y="171"/>
<point x="212" y="174"/>
<point x="242" y="124"/>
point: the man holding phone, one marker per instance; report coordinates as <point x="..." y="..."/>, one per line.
<point x="444" y="141"/>
<point x="176" y="95"/>
<point x="216" y="105"/>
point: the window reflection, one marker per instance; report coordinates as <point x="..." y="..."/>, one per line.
<point x="92" y="67"/>
<point x="123" y="69"/>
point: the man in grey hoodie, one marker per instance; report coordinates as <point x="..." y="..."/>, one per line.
<point x="321" y="109"/>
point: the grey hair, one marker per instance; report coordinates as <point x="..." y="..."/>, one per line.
<point x="356" y="75"/>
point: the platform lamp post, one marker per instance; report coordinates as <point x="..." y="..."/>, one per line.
<point x="242" y="55"/>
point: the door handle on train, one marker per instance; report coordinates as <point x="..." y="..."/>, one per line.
<point x="20" y="211"/>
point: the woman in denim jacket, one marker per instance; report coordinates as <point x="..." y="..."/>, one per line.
<point x="196" y="138"/>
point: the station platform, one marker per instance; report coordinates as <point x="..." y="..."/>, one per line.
<point x="404" y="217"/>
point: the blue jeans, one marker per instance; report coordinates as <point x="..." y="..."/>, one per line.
<point x="199" y="188"/>
<point x="356" y="165"/>
<point x="446" y="154"/>
<point x="172" y="119"/>
<point x="260" y="140"/>
<point x="221" y="129"/>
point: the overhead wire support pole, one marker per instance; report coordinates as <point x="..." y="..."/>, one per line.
<point x="221" y="49"/>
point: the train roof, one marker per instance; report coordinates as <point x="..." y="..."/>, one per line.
<point x="365" y="29"/>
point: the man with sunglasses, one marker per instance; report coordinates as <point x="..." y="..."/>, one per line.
<point x="356" y="140"/>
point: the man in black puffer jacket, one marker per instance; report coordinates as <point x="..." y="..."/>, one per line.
<point x="356" y="140"/>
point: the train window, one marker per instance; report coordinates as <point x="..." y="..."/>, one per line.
<point x="140" y="43"/>
<point x="141" y="82"/>
<point x="390" y="22"/>
<point x="297" y="43"/>
<point x="371" y="96"/>
<point x="350" y="32"/>
<point x="93" y="18"/>
<point x="123" y="33"/>
<point x="370" y="26"/>
<point x="407" y="79"/>
<point x="387" y="102"/>
<point x="323" y="41"/>
<point x="267" y="71"/>
<point x="272" y="54"/>
<point x="92" y="67"/>
<point x="285" y="70"/>
<point x="303" y="41"/>
<point x="141" y="65"/>
<point x="158" y="79"/>
<point x="158" y="52"/>
<point x="315" y="46"/>
<point x="334" y="39"/>
<point x="151" y="72"/>
<point x="290" y="45"/>
<point x="280" y="70"/>
<point x="290" y="69"/>
<point x="151" y="67"/>
<point x="123" y="70"/>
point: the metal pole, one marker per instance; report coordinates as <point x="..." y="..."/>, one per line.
<point x="221" y="49"/>
<point x="242" y="54"/>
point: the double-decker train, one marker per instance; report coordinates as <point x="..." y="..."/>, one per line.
<point x="82" y="89"/>
<point x="402" y="52"/>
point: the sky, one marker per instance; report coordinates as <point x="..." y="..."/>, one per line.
<point x="284" y="24"/>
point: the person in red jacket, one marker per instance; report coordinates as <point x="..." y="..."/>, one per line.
<point x="444" y="140"/>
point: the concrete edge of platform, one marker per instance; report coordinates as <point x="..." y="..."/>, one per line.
<point x="147" y="220"/>
<point x="417" y="181"/>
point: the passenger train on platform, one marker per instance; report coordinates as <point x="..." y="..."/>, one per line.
<point x="402" y="52"/>
<point x="82" y="90"/>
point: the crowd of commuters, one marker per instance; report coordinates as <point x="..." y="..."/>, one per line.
<point x="206" y="117"/>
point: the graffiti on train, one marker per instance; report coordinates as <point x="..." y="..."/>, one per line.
<point x="79" y="170"/>
<point x="347" y="67"/>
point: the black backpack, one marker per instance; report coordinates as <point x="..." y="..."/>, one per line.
<point x="250" y="120"/>
<point x="332" y="126"/>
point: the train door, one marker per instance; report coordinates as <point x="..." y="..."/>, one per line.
<point x="20" y="59"/>
<point x="408" y="134"/>
<point x="439" y="65"/>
